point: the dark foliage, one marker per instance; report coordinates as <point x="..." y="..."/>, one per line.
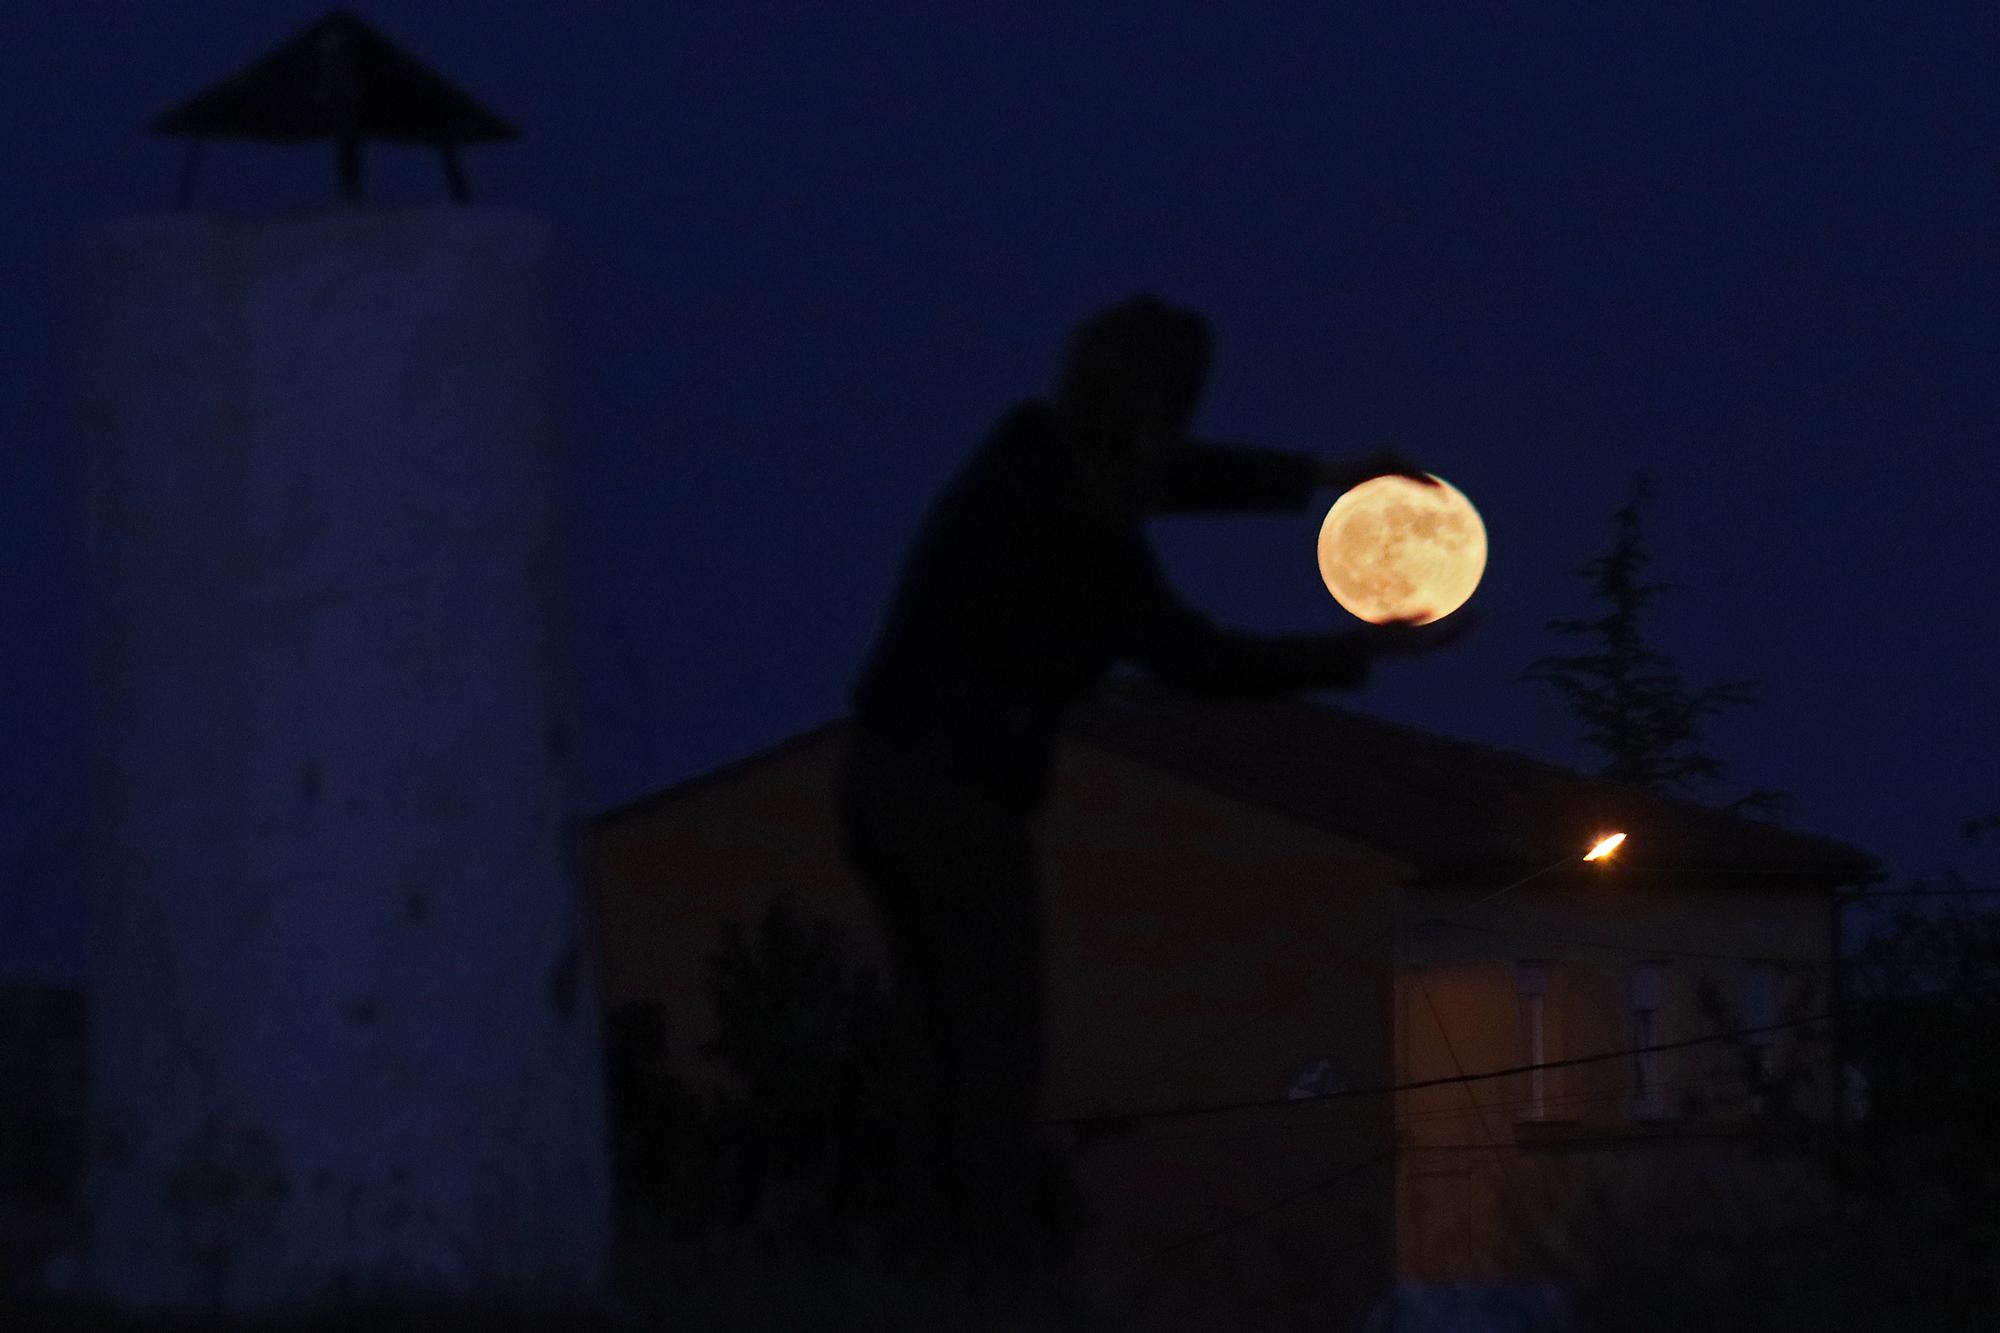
<point x="1893" y="1223"/>
<point x="1636" y="708"/>
<point x="814" y="1050"/>
<point x="810" y="1095"/>
<point x="1926" y="1029"/>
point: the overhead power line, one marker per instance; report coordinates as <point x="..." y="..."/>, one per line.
<point x="1364" y="951"/>
<point x="1509" y="1191"/>
<point x="1569" y="1101"/>
<point x="1314" y="975"/>
<point x="1379" y="1090"/>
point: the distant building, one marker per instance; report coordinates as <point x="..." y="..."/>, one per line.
<point x="1280" y="903"/>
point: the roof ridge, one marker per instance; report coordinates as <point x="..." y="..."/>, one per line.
<point x="1146" y="692"/>
<point x="1145" y="702"/>
<point x="1510" y="778"/>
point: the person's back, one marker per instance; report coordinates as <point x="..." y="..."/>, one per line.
<point x="1015" y="599"/>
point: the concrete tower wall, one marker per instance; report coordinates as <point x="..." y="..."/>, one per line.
<point x="343" y="1011"/>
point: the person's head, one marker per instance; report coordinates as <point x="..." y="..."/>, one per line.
<point x="1128" y="393"/>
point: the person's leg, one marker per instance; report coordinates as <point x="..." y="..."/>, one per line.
<point x="952" y="876"/>
<point x="1017" y="1205"/>
<point x="900" y="836"/>
<point x="985" y="989"/>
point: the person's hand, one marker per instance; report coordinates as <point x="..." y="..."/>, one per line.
<point x="1407" y="638"/>
<point x="1388" y="462"/>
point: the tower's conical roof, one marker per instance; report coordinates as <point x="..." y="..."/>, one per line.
<point x="339" y="79"/>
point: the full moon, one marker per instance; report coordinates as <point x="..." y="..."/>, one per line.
<point x="1395" y="549"/>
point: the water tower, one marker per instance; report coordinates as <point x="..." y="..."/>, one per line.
<point x="343" y="998"/>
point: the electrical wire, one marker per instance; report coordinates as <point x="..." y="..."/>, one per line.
<point x="1306" y="985"/>
<point x="1411" y="1119"/>
<point x="1363" y="952"/>
<point x="1318" y="973"/>
<point x="1509" y="1187"/>
<point x="1260" y="1103"/>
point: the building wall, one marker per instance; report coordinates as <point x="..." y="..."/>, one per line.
<point x="1199" y="951"/>
<point x="1477" y="1169"/>
<point x="666" y="873"/>
<point x="1202" y="951"/>
<point x="1206" y="952"/>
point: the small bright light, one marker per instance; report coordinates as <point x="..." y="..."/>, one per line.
<point x="1604" y="848"/>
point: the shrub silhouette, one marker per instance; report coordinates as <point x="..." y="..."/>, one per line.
<point x="809" y="1102"/>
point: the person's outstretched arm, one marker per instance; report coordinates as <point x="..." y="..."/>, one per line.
<point x="1179" y="646"/>
<point x="1209" y="477"/>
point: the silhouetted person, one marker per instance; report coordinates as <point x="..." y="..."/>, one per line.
<point x="635" y="1074"/>
<point x="1031" y="577"/>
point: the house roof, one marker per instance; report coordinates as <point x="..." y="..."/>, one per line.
<point x="1461" y="812"/>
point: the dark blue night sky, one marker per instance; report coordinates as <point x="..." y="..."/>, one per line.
<point x="812" y="251"/>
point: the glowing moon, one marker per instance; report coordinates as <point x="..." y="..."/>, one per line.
<point x="1396" y="549"/>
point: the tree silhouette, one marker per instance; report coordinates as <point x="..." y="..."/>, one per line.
<point x="812" y="1048"/>
<point x="1892" y="1223"/>
<point x="1636" y="708"/>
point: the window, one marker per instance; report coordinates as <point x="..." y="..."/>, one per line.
<point x="1531" y="986"/>
<point x="1759" y="1006"/>
<point x="1647" y="985"/>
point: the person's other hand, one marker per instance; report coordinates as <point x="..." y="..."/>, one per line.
<point x="1407" y="638"/>
<point x="1388" y="462"/>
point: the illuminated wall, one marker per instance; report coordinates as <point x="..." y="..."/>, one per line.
<point x="1612" y="956"/>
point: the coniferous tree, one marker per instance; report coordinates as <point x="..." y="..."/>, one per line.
<point x="1636" y="708"/>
